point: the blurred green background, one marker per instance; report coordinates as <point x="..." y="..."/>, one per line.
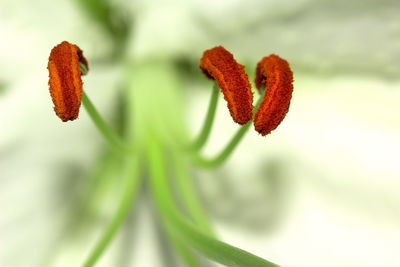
<point x="321" y="190"/>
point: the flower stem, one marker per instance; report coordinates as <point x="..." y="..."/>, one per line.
<point x="157" y="171"/>
<point x="189" y="195"/>
<point x="211" y="248"/>
<point x="184" y="252"/>
<point x="112" y="138"/>
<point x="132" y="176"/>
<point x="208" y="122"/>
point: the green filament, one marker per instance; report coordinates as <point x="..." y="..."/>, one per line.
<point x="111" y="137"/>
<point x="190" y="235"/>
<point x="132" y="180"/>
<point x="226" y="152"/>
<point x="208" y="122"/>
<point x="189" y="195"/>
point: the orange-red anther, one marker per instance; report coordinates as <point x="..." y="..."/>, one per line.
<point x="65" y="79"/>
<point x="273" y="72"/>
<point x="218" y="64"/>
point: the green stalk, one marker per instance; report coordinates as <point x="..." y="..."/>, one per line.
<point x="131" y="186"/>
<point x="184" y="252"/>
<point x="189" y="195"/>
<point x="221" y="157"/>
<point x="211" y="248"/>
<point x="225" y="153"/>
<point x="208" y="122"/>
<point x="112" y="138"/>
<point x="157" y="170"/>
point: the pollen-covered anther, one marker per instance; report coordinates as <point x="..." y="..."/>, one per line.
<point x="65" y="79"/>
<point x="274" y="73"/>
<point x="218" y="64"/>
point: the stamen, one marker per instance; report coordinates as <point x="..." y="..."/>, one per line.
<point x="273" y="72"/>
<point x="218" y="64"/>
<point x="65" y="79"/>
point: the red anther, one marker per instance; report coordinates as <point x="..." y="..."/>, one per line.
<point x="65" y="79"/>
<point x="218" y="64"/>
<point x="273" y="72"/>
